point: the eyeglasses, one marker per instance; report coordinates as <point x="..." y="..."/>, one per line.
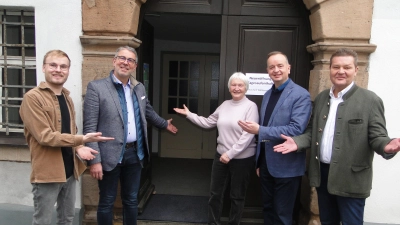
<point x="54" y="66"/>
<point x="123" y="59"/>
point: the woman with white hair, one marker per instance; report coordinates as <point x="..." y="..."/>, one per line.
<point x="234" y="159"/>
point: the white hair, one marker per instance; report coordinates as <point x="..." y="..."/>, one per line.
<point x="240" y="76"/>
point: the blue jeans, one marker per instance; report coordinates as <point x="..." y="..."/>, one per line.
<point x="45" y="195"/>
<point x="334" y="209"/>
<point x="279" y="196"/>
<point x="237" y="172"/>
<point x="128" y="173"/>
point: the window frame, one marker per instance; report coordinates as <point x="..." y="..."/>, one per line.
<point x="14" y="131"/>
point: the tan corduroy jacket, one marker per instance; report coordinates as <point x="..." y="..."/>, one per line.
<point x="40" y="112"/>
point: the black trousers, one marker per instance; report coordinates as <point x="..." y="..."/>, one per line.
<point x="279" y="196"/>
<point x="237" y="174"/>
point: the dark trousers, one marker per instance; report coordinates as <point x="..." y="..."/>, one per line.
<point x="279" y="196"/>
<point x="128" y="173"/>
<point x="237" y="171"/>
<point x="334" y="209"/>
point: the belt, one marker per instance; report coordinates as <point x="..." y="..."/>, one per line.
<point x="130" y="144"/>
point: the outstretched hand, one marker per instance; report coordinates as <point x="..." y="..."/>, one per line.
<point x="393" y="146"/>
<point x="171" y="128"/>
<point x="95" y="137"/>
<point x="286" y="147"/>
<point x="185" y="111"/>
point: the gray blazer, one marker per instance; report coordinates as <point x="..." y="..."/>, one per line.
<point x="102" y="112"/>
<point x="359" y="131"/>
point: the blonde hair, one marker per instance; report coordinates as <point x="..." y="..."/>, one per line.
<point x="55" y="53"/>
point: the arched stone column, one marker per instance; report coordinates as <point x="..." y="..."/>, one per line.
<point x="335" y="24"/>
<point x="107" y="25"/>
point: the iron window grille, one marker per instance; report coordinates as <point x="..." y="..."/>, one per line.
<point x="17" y="65"/>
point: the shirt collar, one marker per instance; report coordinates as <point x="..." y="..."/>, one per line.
<point x="280" y="88"/>
<point x="341" y="93"/>
<point x="115" y="79"/>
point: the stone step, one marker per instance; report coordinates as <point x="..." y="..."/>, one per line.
<point x="224" y="220"/>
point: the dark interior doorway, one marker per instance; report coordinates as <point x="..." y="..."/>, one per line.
<point x="242" y="33"/>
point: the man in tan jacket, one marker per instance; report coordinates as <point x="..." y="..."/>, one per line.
<point x="56" y="149"/>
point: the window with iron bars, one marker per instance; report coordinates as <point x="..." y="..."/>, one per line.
<point x="17" y="65"/>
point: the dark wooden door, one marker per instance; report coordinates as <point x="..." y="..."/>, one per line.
<point x="250" y="30"/>
<point x="247" y="38"/>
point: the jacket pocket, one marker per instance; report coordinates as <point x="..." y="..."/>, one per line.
<point x="359" y="182"/>
<point x="356" y="121"/>
<point x="359" y="168"/>
<point x="49" y="111"/>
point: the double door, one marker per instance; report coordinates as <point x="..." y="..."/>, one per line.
<point x="192" y="80"/>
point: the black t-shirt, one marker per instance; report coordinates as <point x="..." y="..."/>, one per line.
<point x="65" y="128"/>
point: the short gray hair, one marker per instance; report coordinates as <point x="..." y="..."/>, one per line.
<point x="129" y="49"/>
<point x="240" y="76"/>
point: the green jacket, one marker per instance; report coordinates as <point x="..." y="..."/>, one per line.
<point x="360" y="130"/>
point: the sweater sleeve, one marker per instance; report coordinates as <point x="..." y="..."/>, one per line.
<point x="203" y="122"/>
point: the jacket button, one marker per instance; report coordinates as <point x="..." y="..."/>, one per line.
<point x="324" y="116"/>
<point x="316" y="157"/>
<point x="320" y="130"/>
<point x="316" y="143"/>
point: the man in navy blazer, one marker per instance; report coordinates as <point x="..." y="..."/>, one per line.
<point x="286" y="109"/>
<point x="118" y="107"/>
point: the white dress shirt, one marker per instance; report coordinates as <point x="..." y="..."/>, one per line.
<point x="329" y="131"/>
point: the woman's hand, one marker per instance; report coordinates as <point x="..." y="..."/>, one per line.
<point x="185" y="111"/>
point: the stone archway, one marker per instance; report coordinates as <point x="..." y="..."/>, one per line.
<point x="334" y="24"/>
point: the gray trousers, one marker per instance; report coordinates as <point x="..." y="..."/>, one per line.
<point x="45" y="195"/>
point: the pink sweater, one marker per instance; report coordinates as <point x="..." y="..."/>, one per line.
<point x="232" y="139"/>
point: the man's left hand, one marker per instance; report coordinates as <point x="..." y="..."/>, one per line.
<point x="393" y="146"/>
<point x="171" y="128"/>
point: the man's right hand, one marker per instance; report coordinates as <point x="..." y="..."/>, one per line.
<point x="96" y="170"/>
<point x="95" y="137"/>
<point x="286" y="147"/>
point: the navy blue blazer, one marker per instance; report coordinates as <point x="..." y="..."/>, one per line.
<point x="289" y="117"/>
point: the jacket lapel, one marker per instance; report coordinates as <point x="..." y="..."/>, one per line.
<point x="114" y="96"/>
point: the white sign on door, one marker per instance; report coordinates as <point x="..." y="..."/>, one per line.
<point x="259" y="83"/>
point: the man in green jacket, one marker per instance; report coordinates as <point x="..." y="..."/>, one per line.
<point x="346" y="127"/>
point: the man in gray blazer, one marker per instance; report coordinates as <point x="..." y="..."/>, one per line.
<point x="286" y="109"/>
<point x="347" y="126"/>
<point x="118" y="107"/>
